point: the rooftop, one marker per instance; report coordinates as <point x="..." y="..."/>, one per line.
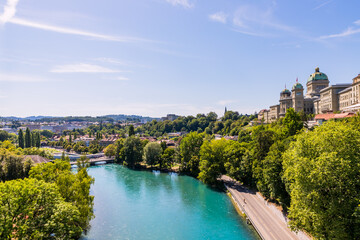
<point x="317" y="75"/>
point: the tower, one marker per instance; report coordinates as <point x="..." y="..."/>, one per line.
<point x="285" y="101"/>
<point x="315" y="83"/>
<point x="297" y="97"/>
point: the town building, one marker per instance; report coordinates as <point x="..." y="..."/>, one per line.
<point x="320" y="98"/>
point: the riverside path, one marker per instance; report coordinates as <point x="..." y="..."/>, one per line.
<point x="265" y="221"/>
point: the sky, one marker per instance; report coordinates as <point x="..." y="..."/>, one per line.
<point x="154" y="57"/>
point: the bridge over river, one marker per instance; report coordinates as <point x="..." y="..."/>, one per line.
<point x="93" y="161"/>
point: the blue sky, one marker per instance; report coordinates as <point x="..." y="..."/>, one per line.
<point x="153" y="57"/>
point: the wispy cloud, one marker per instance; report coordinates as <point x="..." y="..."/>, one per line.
<point x="65" y="30"/>
<point x="112" y="61"/>
<point x="82" y="68"/>
<point x="322" y="5"/>
<point x="251" y="20"/>
<point x="218" y="17"/>
<point x="9" y="77"/>
<point x="183" y="3"/>
<point x="122" y="78"/>
<point x="348" y="32"/>
<point x="225" y="102"/>
<point x="9" y="11"/>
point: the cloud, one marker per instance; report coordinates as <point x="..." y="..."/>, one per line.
<point x="251" y="20"/>
<point x="112" y="61"/>
<point x="218" y="17"/>
<point x="183" y="3"/>
<point x="82" y="68"/>
<point x="122" y="78"/>
<point x="27" y="23"/>
<point x="322" y="5"/>
<point x="348" y="32"/>
<point x="8" y="77"/>
<point x="225" y="102"/>
<point x="9" y="11"/>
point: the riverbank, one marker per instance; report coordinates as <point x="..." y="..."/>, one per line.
<point x="150" y="205"/>
<point x="265" y="220"/>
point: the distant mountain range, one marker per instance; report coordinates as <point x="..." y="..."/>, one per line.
<point x="120" y="117"/>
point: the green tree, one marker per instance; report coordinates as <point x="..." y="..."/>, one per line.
<point x="212" y="160"/>
<point x="33" y="209"/>
<point x="74" y="188"/>
<point x="131" y="130"/>
<point x="152" y="153"/>
<point x="273" y="173"/>
<point x="190" y="153"/>
<point x="110" y="150"/>
<point x="21" y="139"/>
<point x="119" y="151"/>
<point x="4" y="135"/>
<point x="236" y="165"/>
<point x="13" y="166"/>
<point x="167" y="158"/>
<point x="27" y="138"/>
<point x="322" y="168"/>
<point x="263" y="138"/>
<point x="163" y="145"/>
<point x="292" y="122"/>
<point x="82" y="163"/>
<point x="132" y="151"/>
<point x="38" y="140"/>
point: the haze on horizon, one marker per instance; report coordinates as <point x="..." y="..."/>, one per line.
<point x="154" y="57"/>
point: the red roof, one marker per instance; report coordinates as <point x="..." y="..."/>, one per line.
<point x="328" y="116"/>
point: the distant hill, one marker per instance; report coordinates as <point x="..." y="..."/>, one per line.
<point x="110" y="118"/>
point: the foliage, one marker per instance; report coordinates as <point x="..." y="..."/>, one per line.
<point x="82" y="163"/>
<point x="323" y="169"/>
<point x="110" y="150"/>
<point x="236" y="165"/>
<point x="13" y="166"/>
<point x="190" y="153"/>
<point x="292" y="122"/>
<point x="73" y="188"/>
<point x="21" y="139"/>
<point x="152" y="153"/>
<point x="132" y="151"/>
<point x="131" y="131"/>
<point x="119" y="151"/>
<point x="167" y="158"/>
<point x="212" y="160"/>
<point x="34" y="209"/>
<point x="4" y="135"/>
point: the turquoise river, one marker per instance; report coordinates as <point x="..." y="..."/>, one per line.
<point x="139" y="205"/>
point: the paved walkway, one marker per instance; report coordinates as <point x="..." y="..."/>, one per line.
<point x="268" y="225"/>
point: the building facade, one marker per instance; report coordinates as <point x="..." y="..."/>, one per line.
<point x="320" y="98"/>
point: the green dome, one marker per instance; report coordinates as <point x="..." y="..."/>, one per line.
<point x="297" y="86"/>
<point x="285" y="91"/>
<point x="317" y="75"/>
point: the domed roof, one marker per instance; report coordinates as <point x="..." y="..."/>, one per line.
<point x="285" y="91"/>
<point x="317" y="75"/>
<point x="297" y="86"/>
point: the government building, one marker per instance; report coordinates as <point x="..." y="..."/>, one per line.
<point x="320" y="98"/>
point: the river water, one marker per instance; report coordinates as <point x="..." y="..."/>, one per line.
<point x="140" y="205"/>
